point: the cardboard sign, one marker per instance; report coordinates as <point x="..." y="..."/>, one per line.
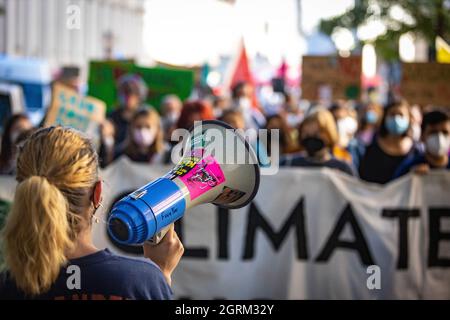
<point x="426" y="83"/>
<point x="340" y="76"/>
<point x="161" y="81"/>
<point x="70" y="109"/>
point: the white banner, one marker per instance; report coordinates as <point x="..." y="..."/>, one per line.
<point x="309" y="234"/>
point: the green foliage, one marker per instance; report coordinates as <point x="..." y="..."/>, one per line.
<point x="424" y="18"/>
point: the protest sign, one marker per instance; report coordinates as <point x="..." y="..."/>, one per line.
<point x="322" y="238"/>
<point x="102" y="80"/>
<point x="103" y="76"/>
<point x="339" y="77"/>
<point x="426" y="83"/>
<point x="68" y="108"/>
<point x="331" y="236"/>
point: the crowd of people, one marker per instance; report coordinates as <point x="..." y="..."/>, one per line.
<point x="59" y="189"/>
<point x="365" y="139"/>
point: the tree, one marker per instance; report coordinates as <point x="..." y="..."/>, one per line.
<point x="424" y="18"/>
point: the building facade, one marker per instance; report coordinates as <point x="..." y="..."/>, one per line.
<point x="72" y="32"/>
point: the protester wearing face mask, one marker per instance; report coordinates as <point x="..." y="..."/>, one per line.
<point x="347" y="127"/>
<point x="171" y="109"/>
<point x="195" y="110"/>
<point x="221" y="104"/>
<point x="292" y="112"/>
<point x="318" y="135"/>
<point x="243" y="101"/>
<point x="235" y="119"/>
<point x="192" y="110"/>
<point x="107" y="143"/>
<point x="348" y="148"/>
<point x="416" y="121"/>
<point x="132" y="92"/>
<point x="370" y="120"/>
<point x="15" y="127"/>
<point x="145" y="142"/>
<point x="392" y="145"/>
<point x="287" y="136"/>
<point x="436" y="139"/>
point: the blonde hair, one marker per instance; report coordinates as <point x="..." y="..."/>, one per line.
<point x="325" y="122"/>
<point x="56" y="172"/>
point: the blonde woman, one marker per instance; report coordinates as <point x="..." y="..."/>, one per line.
<point x="318" y="136"/>
<point x="47" y="235"/>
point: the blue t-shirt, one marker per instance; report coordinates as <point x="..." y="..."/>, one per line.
<point x="103" y="276"/>
<point x="409" y="163"/>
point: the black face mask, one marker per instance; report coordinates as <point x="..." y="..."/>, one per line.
<point x="312" y="145"/>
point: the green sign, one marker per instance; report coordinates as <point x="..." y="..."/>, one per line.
<point x="103" y="76"/>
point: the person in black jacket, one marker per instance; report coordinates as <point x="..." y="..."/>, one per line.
<point x="391" y="146"/>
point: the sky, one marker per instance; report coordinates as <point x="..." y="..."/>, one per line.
<point x="314" y="10"/>
<point x="197" y="31"/>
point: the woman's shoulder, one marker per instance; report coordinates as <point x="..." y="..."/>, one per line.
<point x="101" y="275"/>
<point x="133" y="277"/>
<point x="118" y="263"/>
<point x="136" y="261"/>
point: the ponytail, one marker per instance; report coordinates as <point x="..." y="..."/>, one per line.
<point x="56" y="170"/>
<point x="37" y="235"/>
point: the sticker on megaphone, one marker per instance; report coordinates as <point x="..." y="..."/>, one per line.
<point x="145" y="214"/>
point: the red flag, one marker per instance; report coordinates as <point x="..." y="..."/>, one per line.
<point x="240" y="71"/>
<point x="282" y="70"/>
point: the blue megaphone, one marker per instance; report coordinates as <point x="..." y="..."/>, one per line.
<point x="200" y="177"/>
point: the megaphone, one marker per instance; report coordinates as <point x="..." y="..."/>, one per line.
<point x="218" y="166"/>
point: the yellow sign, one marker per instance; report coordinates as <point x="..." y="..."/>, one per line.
<point x="442" y="51"/>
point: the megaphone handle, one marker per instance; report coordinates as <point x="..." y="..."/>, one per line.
<point x="158" y="237"/>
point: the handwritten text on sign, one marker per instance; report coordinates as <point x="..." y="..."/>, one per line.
<point x="73" y="110"/>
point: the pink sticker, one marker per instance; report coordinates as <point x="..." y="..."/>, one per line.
<point x="204" y="176"/>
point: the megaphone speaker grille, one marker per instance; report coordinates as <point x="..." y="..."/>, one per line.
<point x="119" y="229"/>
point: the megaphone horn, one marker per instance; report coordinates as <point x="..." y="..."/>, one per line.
<point x="202" y="176"/>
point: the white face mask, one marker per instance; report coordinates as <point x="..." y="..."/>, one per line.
<point x="144" y="137"/>
<point x="172" y="117"/>
<point x="108" y="141"/>
<point x="293" y="120"/>
<point x="245" y="103"/>
<point x="438" y="144"/>
<point x="416" y="132"/>
<point x="350" y="125"/>
<point x="346" y="127"/>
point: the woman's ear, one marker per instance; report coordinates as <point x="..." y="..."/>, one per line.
<point x="97" y="196"/>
